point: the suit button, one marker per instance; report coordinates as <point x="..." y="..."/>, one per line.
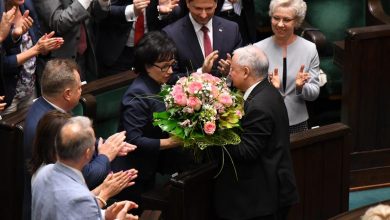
<point x="73" y="57"/>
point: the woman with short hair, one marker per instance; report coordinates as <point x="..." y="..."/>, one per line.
<point x="293" y="61"/>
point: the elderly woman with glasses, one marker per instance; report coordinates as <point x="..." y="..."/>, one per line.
<point x="156" y="152"/>
<point x="293" y="61"/>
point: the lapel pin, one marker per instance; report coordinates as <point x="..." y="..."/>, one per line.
<point x="220" y="30"/>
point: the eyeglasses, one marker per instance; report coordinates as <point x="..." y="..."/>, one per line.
<point x="283" y="20"/>
<point x="166" y="67"/>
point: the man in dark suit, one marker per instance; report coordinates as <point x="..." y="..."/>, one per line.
<point x="264" y="187"/>
<point x="118" y="32"/>
<point x="199" y="33"/>
<point x="74" y="20"/>
<point x="243" y="13"/>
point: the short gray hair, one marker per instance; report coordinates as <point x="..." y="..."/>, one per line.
<point x="299" y="6"/>
<point x="75" y="136"/>
<point x="57" y="75"/>
<point x="254" y="58"/>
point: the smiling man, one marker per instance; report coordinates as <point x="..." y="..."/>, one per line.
<point x="201" y="33"/>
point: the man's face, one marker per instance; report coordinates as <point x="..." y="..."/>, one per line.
<point x="202" y="10"/>
<point x="237" y="73"/>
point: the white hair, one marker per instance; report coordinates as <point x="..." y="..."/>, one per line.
<point x="379" y="212"/>
<point x="299" y="7"/>
<point x="254" y="58"/>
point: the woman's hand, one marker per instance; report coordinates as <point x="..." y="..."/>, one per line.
<point x="274" y="78"/>
<point x="6" y="22"/>
<point x="22" y="25"/>
<point x="302" y="78"/>
<point x="48" y="43"/>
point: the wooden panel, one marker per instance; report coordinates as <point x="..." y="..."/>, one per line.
<point x="365" y="106"/>
<point x="371" y="176"/>
<point x="370" y="159"/>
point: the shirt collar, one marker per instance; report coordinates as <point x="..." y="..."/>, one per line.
<point x="198" y="26"/>
<point x="56" y="107"/>
<point x="78" y="172"/>
<point x="250" y="89"/>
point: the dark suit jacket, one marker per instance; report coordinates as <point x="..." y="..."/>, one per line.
<point x="266" y="179"/>
<point x="226" y="38"/>
<point x="137" y="107"/>
<point x="94" y="172"/>
<point x="115" y="29"/>
<point x="249" y="16"/>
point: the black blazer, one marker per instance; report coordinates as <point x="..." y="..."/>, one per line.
<point x="226" y="38"/>
<point x="249" y="16"/>
<point x="266" y="179"/>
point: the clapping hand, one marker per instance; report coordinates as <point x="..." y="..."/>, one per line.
<point x="166" y="6"/>
<point x="115" y="183"/>
<point x="274" y="78"/>
<point x="302" y="78"/>
<point x="209" y="61"/>
<point x="48" y="43"/>
<point x="112" y="145"/>
<point x="2" y="105"/>
<point x="140" y="5"/>
<point x="22" y="25"/>
<point x="6" y="22"/>
<point x="224" y="65"/>
<point x="119" y="211"/>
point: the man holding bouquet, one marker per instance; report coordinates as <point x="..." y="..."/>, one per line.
<point x="261" y="185"/>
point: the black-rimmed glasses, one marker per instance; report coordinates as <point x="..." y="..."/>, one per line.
<point x="166" y="67"/>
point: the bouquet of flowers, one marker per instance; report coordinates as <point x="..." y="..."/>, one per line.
<point x="201" y="111"/>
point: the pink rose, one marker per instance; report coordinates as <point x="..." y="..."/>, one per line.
<point x="239" y="113"/>
<point x="214" y="91"/>
<point x="177" y="89"/>
<point x="209" y="127"/>
<point x="180" y="99"/>
<point x="194" y="87"/>
<point x="225" y="99"/>
<point x="194" y="103"/>
<point x="181" y="81"/>
<point x="208" y="77"/>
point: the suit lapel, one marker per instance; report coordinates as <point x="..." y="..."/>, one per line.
<point x="217" y="34"/>
<point x="254" y="92"/>
<point x="195" y="48"/>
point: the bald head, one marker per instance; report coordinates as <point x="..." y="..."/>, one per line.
<point x="75" y="137"/>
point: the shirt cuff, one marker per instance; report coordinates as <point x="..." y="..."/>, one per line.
<point x="85" y="3"/>
<point x="129" y="13"/>
<point x="105" y="4"/>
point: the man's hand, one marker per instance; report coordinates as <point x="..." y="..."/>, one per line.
<point x="22" y="25"/>
<point x="166" y="6"/>
<point x="274" y="78"/>
<point x="302" y="78"/>
<point x="116" y="182"/>
<point x="139" y="6"/>
<point x="224" y="65"/>
<point x="119" y="211"/>
<point x="126" y="148"/>
<point x="112" y="145"/>
<point x="209" y="61"/>
<point x="6" y="23"/>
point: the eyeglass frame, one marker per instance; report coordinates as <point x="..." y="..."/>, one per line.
<point x="283" y="20"/>
<point x="165" y="69"/>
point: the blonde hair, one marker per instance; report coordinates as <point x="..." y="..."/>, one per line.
<point x="379" y="212"/>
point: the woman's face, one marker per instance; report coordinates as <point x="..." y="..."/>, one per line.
<point x="161" y="71"/>
<point x="283" y="22"/>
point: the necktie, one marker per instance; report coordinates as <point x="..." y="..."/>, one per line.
<point x="237" y="7"/>
<point x="139" y="28"/>
<point x="82" y="46"/>
<point x="206" y="41"/>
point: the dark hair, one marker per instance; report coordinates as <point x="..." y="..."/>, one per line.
<point x="58" y="74"/>
<point x="43" y="150"/>
<point x="154" y="47"/>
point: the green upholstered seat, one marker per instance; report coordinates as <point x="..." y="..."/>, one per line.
<point x="108" y="110"/>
